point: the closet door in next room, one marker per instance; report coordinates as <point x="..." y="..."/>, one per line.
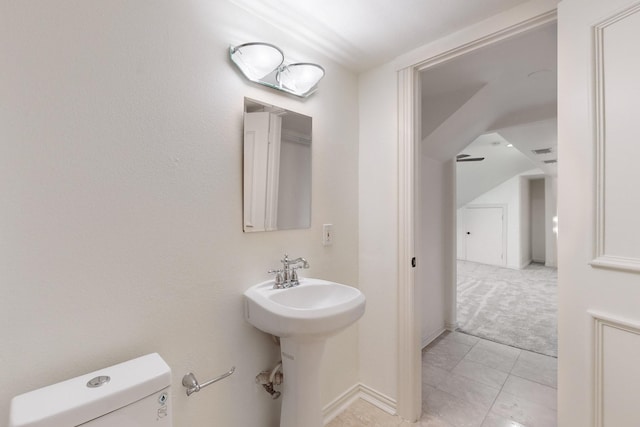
<point x="484" y="237"/>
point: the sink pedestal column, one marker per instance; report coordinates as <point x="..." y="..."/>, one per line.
<point x="301" y="405"/>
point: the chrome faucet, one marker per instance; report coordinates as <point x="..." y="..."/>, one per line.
<point x="287" y="277"/>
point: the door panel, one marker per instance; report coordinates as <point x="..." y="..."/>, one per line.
<point x="599" y="241"/>
<point x="617" y="369"/>
<point x="256" y="153"/>
<point x="484" y="235"/>
<point x="262" y="131"/>
<point x="617" y="103"/>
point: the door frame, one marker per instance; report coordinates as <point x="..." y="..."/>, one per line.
<point x="409" y="393"/>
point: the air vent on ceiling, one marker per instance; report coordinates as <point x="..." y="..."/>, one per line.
<point x="542" y="151"/>
<point x="551" y="161"/>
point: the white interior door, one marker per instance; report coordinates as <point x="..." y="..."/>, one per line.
<point x="256" y="154"/>
<point x="599" y="207"/>
<point x="484" y="234"/>
<point x="261" y="170"/>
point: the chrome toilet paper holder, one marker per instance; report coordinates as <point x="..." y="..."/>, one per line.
<point x="190" y="382"/>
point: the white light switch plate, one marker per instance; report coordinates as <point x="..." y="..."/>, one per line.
<point x="327" y="234"/>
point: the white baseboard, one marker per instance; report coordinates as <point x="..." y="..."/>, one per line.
<point x="355" y="392"/>
<point x="378" y="399"/>
<point x="427" y="340"/>
<point x="340" y="403"/>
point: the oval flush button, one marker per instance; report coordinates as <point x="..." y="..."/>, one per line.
<point x="98" y="381"/>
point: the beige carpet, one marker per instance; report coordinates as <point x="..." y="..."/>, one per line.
<point x="514" y="307"/>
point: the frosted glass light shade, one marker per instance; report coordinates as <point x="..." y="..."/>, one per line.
<point x="300" y="78"/>
<point x="262" y="63"/>
<point x="257" y="60"/>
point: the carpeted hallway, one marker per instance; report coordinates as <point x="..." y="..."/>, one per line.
<point x="513" y="307"/>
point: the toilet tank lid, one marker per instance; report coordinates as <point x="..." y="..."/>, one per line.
<point x="72" y="402"/>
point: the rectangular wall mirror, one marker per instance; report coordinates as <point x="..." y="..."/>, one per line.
<point x="277" y="168"/>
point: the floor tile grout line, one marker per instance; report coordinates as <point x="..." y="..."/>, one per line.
<point x="516" y="362"/>
<point x="529" y="379"/>
<point x="449" y="373"/>
<point x="488" y="410"/>
<point x="534" y="381"/>
<point x="501" y="389"/>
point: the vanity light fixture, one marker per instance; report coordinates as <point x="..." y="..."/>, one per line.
<point x="263" y="63"/>
<point x="257" y="60"/>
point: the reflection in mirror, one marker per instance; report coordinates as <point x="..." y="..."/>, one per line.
<point x="277" y="168"/>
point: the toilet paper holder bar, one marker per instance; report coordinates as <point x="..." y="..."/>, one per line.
<point x="190" y="382"/>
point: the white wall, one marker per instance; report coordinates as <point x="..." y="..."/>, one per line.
<point x="551" y="212"/>
<point x="529" y="221"/>
<point x="515" y="195"/>
<point x="378" y="228"/>
<point x="432" y="253"/>
<point x="120" y="171"/>
<point x="461" y="247"/>
<point x="294" y="197"/>
<point x="525" y="223"/>
<point x="538" y="219"/>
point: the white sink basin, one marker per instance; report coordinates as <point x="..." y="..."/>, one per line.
<point x="303" y="317"/>
<point x="315" y="307"/>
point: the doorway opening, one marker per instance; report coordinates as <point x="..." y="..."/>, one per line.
<point x="423" y="154"/>
<point x="506" y="278"/>
<point x="492" y="113"/>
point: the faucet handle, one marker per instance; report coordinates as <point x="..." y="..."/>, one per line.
<point x="279" y="279"/>
<point x="287" y="262"/>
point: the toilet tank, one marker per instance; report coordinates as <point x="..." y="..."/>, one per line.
<point x="135" y="393"/>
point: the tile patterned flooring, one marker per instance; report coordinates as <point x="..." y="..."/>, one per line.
<point x="472" y="382"/>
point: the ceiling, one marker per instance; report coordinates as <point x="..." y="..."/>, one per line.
<point x="508" y="84"/>
<point x="361" y="34"/>
<point x="500" y="163"/>
<point x="483" y="101"/>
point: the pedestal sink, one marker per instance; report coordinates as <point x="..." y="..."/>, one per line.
<point x="303" y="317"/>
